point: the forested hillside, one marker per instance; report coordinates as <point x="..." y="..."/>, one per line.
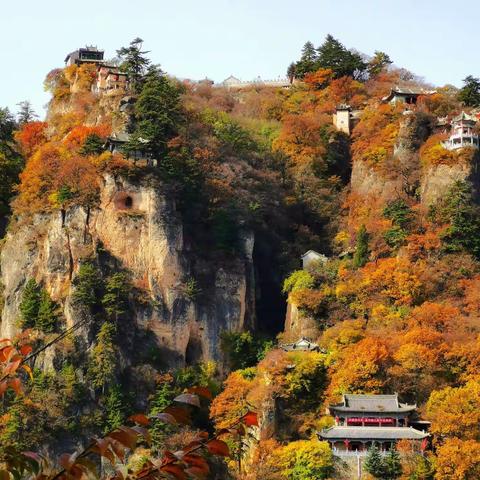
<point x="152" y="278"/>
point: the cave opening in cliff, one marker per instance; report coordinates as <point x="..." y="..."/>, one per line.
<point x="128" y="202"/>
<point x="270" y="303"/>
<point x="193" y="353"/>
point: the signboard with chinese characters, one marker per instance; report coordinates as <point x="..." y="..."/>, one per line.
<point x="370" y="420"/>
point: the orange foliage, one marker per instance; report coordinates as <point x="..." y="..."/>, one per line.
<point x="77" y="136"/>
<point x="434" y="153"/>
<point x="51" y="168"/>
<point x="458" y="460"/>
<point x="347" y="90"/>
<point x="375" y="135"/>
<point x="231" y="404"/>
<point x="301" y="138"/>
<point x="31" y="136"/>
<point x="319" y="79"/>
<point x="438" y="316"/>
<point x="395" y="280"/>
<point x="361" y="368"/>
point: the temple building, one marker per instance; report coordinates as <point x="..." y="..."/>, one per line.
<point x="110" y="79"/>
<point x="463" y="133"/>
<point x="302" y="345"/>
<point x="406" y="95"/>
<point x="312" y="257"/>
<point x="363" y="420"/>
<point x="117" y="142"/>
<point x="345" y="118"/>
<point x="85" y="55"/>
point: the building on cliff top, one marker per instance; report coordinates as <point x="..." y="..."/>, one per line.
<point x="345" y="118"/>
<point x="235" y="83"/>
<point x="110" y="79"/>
<point x="310" y="257"/>
<point x="88" y="54"/>
<point x="406" y="95"/>
<point x="302" y="345"/>
<point x="363" y="420"/>
<point x="463" y="133"/>
<point x="117" y="143"/>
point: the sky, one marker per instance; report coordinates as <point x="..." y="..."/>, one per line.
<point x="436" y="39"/>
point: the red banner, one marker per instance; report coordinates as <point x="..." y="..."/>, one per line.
<point x="370" y="420"/>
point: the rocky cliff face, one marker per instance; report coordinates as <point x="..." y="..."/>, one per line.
<point x="136" y="228"/>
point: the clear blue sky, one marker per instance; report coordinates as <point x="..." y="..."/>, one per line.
<point x="437" y="39"/>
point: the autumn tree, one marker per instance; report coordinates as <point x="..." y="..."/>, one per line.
<point x="362" y="368"/>
<point x="304" y="459"/>
<point x="458" y="460"/>
<point x="455" y="412"/>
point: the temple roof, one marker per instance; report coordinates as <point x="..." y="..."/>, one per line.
<point x="410" y="91"/>
<point x="372" y="433"/>
<point x="464" y="116"/>
<point x="372" y="403"/>
<point x="300" y="345"/>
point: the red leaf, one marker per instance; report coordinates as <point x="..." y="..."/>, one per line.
<point x="175" y="470"/>
<point x="180" y="414"/>
<point x="188" y="398"/>
<point x="66" y="461"/>
<point x="218" y="447"/>
<point x="197" y="472"/>
<point x="140" y="419"/>
<point x="202" y="391"/>
<point x="250" y="419"/>
<point x="196" y="461"/>
<point x="16" y="384"/>
<point x="3" y="388"/>
<point x="166" y="418"/>
<point x="25" y="350"/>
<point x="4" y="475"/>
<point x="125" y="437"/>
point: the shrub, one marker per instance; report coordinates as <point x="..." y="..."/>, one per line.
<point x="298" y="280"/>
<point x="305" y="459"/>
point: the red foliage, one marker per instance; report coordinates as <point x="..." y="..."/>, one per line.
<point x="31" y="136"/>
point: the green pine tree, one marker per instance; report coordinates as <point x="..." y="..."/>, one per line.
<point x="158" y="114"/>
<point x="115" y="408"/>
<point x="115" y="299"/>
<point x="469" y="94"/>
<point x="88" y="285"/>
<point x="361" y="251"/>
<point x="393" y="465"/>
<point x="93" y="145"/>
<point x="307" y="62"/>
<point x="333" y="55"/>
<point x="162" y="398"/>
<point x="134" y="63"/>
<point x="378" y="63"/>
<point x="103" y="358"/>
<point x="47" y="316"/>
<point x="30" y="304"/>
<point x="374" y="464"/>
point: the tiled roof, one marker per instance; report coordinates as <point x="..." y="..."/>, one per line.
<point x="464" y="116"/>
<point x="372" y="433"/>
<point x="372" y="403"/>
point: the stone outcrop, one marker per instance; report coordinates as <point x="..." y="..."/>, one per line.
<point x="137" y="228"/>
